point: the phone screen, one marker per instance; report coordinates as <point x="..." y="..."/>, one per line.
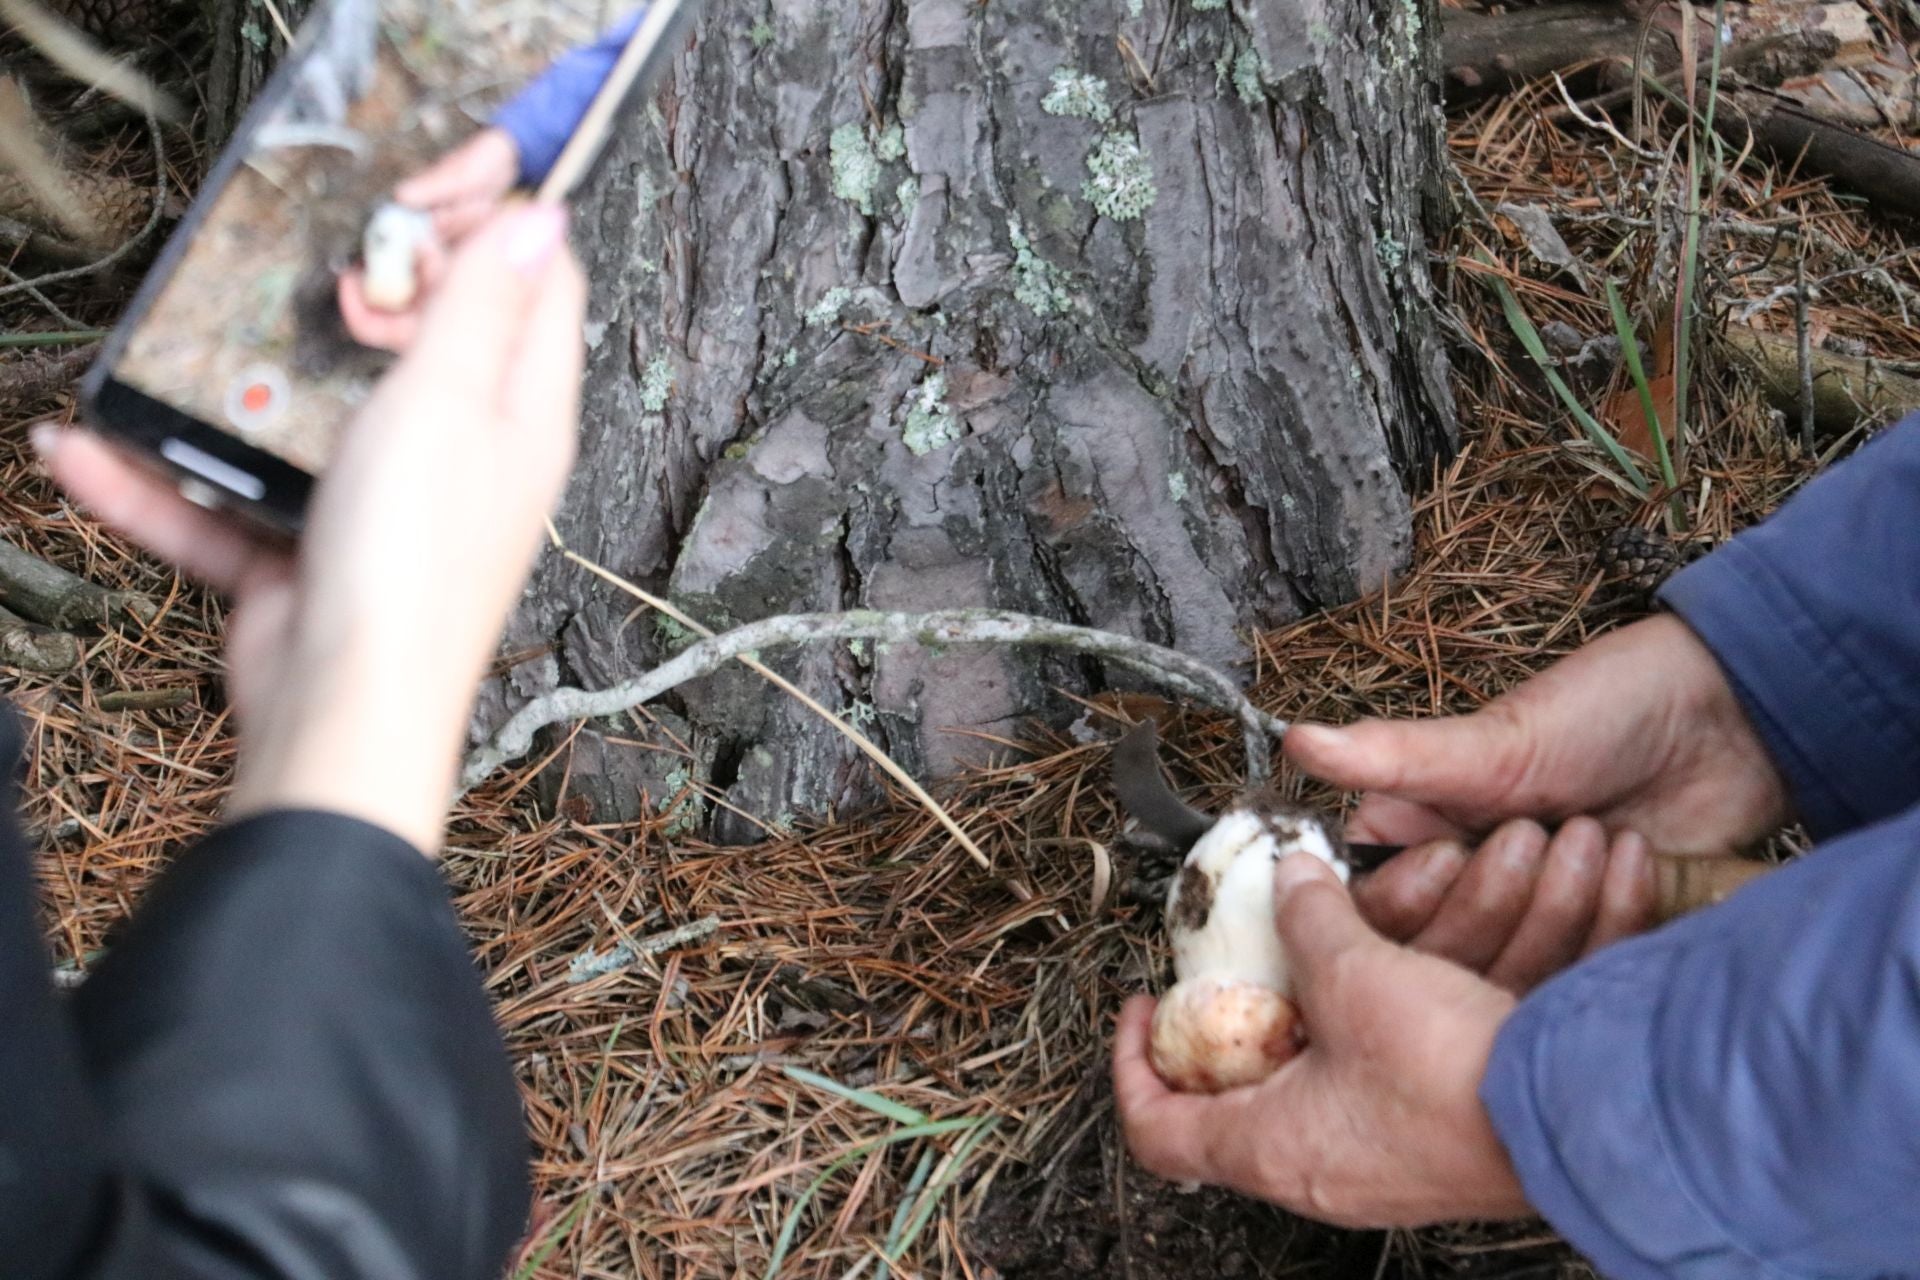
<point x="244" y="328"/>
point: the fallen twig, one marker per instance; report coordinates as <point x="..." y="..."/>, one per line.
<point x="52" y="596"/>
<point x="1847" y="390"/>
<point x="594" y="964"/>
<point x="1186" y="675"/>
<point x="28" y="646"/>
<point x="146" y="699"/>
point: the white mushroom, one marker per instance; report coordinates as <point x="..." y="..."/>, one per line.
<point x="390" y="249"/>
<point x="1229" y="1020"/>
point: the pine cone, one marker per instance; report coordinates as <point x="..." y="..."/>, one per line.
<point x="115" y="19"/>
<point x="1637" y="558"/>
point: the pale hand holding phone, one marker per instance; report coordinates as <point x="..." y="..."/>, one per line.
<point x="352" y="662"/>
<point x="461" y="191"/>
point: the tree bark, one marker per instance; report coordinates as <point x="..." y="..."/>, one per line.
<point x="887" y="313"/>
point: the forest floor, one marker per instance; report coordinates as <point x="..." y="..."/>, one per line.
<point x="686" y="1099"/>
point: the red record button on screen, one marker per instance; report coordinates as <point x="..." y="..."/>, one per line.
<point x="256" y="397"/>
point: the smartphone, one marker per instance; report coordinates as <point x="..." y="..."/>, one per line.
<point x="234" y="369"/>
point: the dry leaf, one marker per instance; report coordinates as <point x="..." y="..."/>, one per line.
<point x="1622" y="412"/>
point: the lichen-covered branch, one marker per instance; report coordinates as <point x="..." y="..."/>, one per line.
<point x="50" y="595"/>
<point x="1179" y="672"/>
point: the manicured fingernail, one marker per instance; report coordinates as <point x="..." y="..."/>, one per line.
<point x="45" y="438"/>
<point x="536" y="233"/>
<point x="1295" y="870"/>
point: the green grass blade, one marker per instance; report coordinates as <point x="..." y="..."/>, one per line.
<point x="783" y="1244"/>
<point x="1634" y="479"/>
<point x="896" y="1111"/>
<point x="931" y="1198"/>
<point x="555" y="1236"/>
<point x="1630" y="348"/>
<point x="62" y="338"/>
<point x="890" y="1247"/>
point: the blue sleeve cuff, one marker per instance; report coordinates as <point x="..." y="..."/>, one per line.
<point x="542" y="117"/>
<point x="1570" y="1091"/>
<point x="1732" y="1097"/>
<point x="1814" y="615"/>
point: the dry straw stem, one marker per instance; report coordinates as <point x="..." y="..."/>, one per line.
<point x="25" y="155"/>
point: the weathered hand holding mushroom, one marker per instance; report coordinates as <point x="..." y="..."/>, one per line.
<point x="1376" y="1121"/>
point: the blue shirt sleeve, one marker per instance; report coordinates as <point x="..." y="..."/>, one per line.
<point x="542" y="116"/>
<point x="1737" y="1095"/>
<point x="1815" y="617"/>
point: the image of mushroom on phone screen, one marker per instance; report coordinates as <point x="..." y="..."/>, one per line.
<point x="390" y="130"/>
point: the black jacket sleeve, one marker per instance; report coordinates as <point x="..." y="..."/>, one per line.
<point x="286" y="1066"/>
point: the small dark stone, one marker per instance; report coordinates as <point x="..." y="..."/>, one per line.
<point x="1562" y="337"/>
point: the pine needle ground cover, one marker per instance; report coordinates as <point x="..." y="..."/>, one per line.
<point x="850" y="1048"/>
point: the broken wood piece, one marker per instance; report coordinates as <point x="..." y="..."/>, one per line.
<point x="146" y="699"/>
<point x="27" y="646"/>
<point x="1483" y="54"/>
<point x="1886" y="175"/>
<point x="52" y="596"/>
<point x="1847" y="390"/>
<point x="29" y="379"/>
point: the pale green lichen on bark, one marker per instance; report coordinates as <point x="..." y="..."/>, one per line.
<point x="930" y="422"/>
<point x="854" y="165"/>
<point x="655" y="383"/>
<point x="1250" y="75"/>
<point x="1035" y="280"/>
<point x="828" y="308"/>
<point x="1122" y="183"/>
<point x="891" y="144"/>
<point x="907" y="196"/>
<point x="1208" y="6"/>
<point x="1177" y="486"/>
<point x="1078" y="95"/>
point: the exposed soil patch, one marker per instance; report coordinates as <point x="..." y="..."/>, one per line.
<point x="1100" y="1214"/>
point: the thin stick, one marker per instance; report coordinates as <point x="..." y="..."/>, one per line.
<point x="1803" y="334"/>
<point x="948" y="627"/>
<point x="593" y="964"/>
<point x="475" y="770"/>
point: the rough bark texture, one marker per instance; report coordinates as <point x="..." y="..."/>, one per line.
<point x="1178" y="414"/>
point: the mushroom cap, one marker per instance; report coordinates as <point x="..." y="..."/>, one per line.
<point x="1211" y="1034"/>
<point x="1220" y="907"/>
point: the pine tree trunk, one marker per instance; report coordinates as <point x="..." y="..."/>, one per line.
<point x="1114" y="312"/>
